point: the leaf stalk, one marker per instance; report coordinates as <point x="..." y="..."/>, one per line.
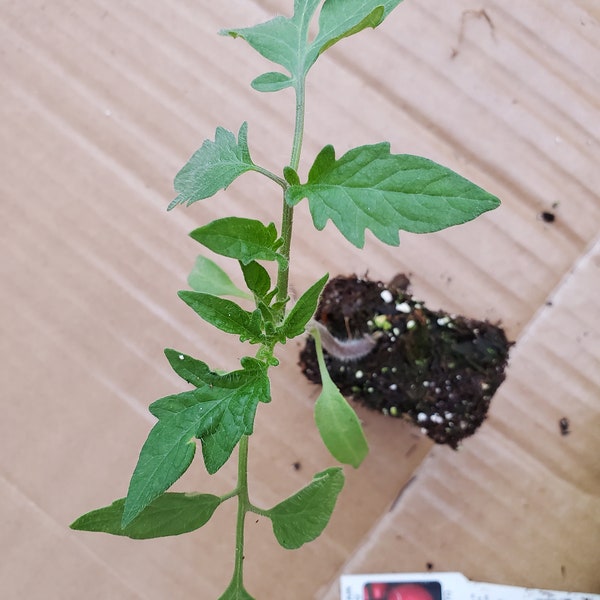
<point x="278" y="180"/>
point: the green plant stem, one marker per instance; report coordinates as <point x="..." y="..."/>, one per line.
<point x="278" y="180"/>
<point x="287" y="219"/>
<point x="283" y="272"/>
<point x="299" y="129"/>
<point x="316" y="335"/>
<point x="243" y="508"/>
<point x="244" y="504"/>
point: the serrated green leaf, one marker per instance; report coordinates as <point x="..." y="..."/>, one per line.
<point x="257" y="278"/>
<point x="169" y="514"/>
<point x="242" y="239"/>
<point x="209" y="278"/>
<point x="272" y="82"/>
<point x="342" y="18"/>
<point x="369" y="188"/>
<point x="213" y="167"/>
<point x="224" y="315"/>
<point x="302" y="517"/>
<point x="237" y="394"/>
<point x="218" y="413"/>
<point x="282" y="40"/>
<point x="301" y="313"/>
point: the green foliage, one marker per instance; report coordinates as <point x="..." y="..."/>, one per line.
<point x="302" y="517"/>
<point x="219" y="411"/>
<point x="208" y="277"/>
<point x="225" y="406"/>
<point x="225" y="315"/>
<point x="284" y="41"/>
<point x="367" y="188"/>
<point x="244" y="239"/>
<point x="257" y="279"/>
<point x="336" y="421"/>
<point x="339" y="426"/>
<point x="291" y="176"/>
<point x="190" y="369"/>
<point x="169" y="514"/>
<point x="213" y="167"/>
<point x="301" y="313"/>
<point x="342" y="18"/>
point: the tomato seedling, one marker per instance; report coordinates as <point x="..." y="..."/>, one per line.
<point x="368" y="187"/>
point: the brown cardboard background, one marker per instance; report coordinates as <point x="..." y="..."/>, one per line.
<point x="102" y="102"/>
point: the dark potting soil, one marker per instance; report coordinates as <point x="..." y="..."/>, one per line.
<point x="437" y="370"/>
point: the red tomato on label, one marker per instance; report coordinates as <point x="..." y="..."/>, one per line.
<point x="376" y="591"/>
<point x="409" y="591"/>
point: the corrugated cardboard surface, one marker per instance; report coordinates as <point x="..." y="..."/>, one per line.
<point x="101" y="104"/>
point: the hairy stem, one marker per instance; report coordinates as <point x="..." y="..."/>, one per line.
<point x="244" y="504"/>
<point x="316" y="334"/>
<point x="278" y="180"/>
<point x="287" y="218"/>
<point x="243" y="507"/>
<point x="299" y="130"/>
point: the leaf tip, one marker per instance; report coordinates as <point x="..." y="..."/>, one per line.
<point x="228" y="32"/>
<point x="174" y="203"/>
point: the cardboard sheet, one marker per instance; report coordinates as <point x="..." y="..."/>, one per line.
<point x="102" y="102"/>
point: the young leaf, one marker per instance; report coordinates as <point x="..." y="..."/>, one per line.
<point x="271" y="82"/>
<point x="224" y="315"/>
<point x="257" y="278"/>
<point x="291" y="176"/>
<point x="302" y="517"/>
<point x="342" y="18"/>
<point x="369" y="188"/>
<point x="213" y="167"/>
<point x="169" y="514"/>
<point x="209" y="278"/>
<point x="243" y="239"/>
<point x="282" y="40"/>
<point x="301" y="313"/>
<point x="336" y="421"/>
